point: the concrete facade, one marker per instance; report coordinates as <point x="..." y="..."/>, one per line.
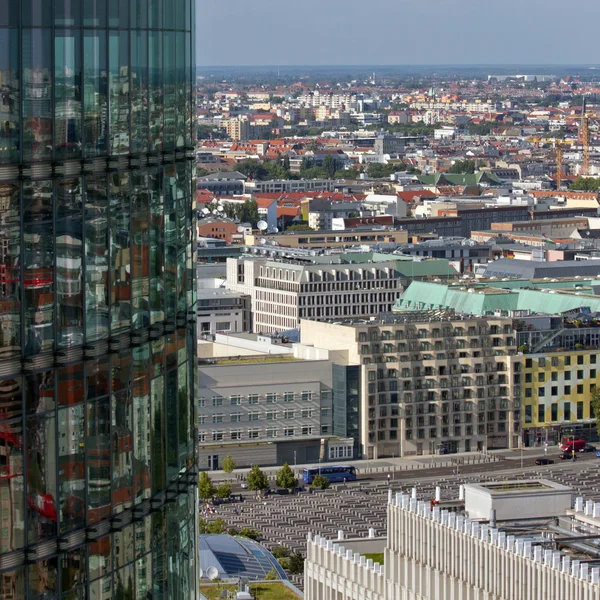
<point x="434" y="554"/>
<point x="283" y="292"/>
<point x="264" y="410"/>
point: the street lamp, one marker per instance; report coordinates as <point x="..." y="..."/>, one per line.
<point x="295" y="469"/>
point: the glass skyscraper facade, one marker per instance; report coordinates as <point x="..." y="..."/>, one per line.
<point x="97" y="300"/>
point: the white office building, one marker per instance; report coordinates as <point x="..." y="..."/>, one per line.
<point x="437" y="554"/>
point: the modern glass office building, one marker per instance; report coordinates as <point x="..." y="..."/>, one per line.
<point x="97" y="300"/>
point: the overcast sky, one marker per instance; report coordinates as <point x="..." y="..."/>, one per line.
<point x="397" y="32"/>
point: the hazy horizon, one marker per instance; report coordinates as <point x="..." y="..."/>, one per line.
<point x="394" y="32"/>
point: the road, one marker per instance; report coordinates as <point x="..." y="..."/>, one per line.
<point x="467" y="469"/>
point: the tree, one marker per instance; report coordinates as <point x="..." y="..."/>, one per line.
<point x="250" y="533"/>
<point x="285" y="478"/>
<point x="257" y="480"/>
<point x="280" y="552"/>
<point x="298" y="227"/>
<point x="252" y="168"/>
<point x="296" y="564"/>
<point x="216" y="526"/>
<point x="595" y="406"/>
<point x="248" y="212"/>
<point x="223" y="490"/>
<point x="206" y="489"/>
<point x="331" y="165"/>
<point x="321" y="481"/>
<point x="462" y="167"/>
<point x="378" y="170"/>
<point x="272" y="575"/>
<point x="229" y="464"/>
<point x="586" y="184"/>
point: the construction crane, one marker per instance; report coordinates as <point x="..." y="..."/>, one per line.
<point x="584" y="140"/>
<point x="559" y="162"/>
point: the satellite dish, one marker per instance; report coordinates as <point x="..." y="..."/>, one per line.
<point x="262" y="225"/>
<point x="241" y="229"/>
<point x="215" y="212"/>
<point x="201" y="573"/>
<point x="220" y="208"/>
<point x="275" y="229"/>
<point x="262" y="241"/>
<point x="205" y="211"/>
<point x="212" y="573"/>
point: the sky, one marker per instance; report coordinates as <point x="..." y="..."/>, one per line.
<point x="396" y="32"/>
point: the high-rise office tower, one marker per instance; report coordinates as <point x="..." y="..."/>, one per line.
<point x="97" y="410"/>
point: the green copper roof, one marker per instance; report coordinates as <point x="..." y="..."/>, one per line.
<point x="422" y="295"/>
<point x="486" y="298"/>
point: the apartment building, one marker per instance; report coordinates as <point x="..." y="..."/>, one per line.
<point x="333" y="239"/>
<point x="430" y="381"/>
<point x="279" y="186"/>
<point x="238" y="128"/>
<point x="359" y="285"/>
<point x="264" y="409"/>
<point x="560" y="373"/>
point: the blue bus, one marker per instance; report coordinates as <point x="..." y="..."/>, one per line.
<point x="334" y="474"/>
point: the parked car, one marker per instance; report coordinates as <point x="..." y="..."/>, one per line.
<point x="566" y="456"/>
<point x="598" y="454"/>
<point x="544" y="461"/>
<point x="589" y="448"/>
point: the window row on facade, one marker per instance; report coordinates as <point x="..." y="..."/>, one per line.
<point x="259" y="433"/>
<point x="269" y="398"/>
<point x="95" y="256"/>
<point x="91" y="93"/>
<point x="138" y="14"/>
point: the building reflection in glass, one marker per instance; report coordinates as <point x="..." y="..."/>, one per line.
<point x="97" y="403"/>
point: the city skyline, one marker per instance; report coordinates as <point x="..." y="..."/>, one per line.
<point x="263" y="34"/>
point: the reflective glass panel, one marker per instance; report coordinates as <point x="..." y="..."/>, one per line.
<point x="71" y="467"/>
<point x="67" y="12"/>
<point x="67" y="81"/>
<point x="120" y="253"/>
<point x="12" y="498"/>
<point x="96" y="258"/>
<point x="94" y="13"/>
<point x="69" y="262"/>
<point x="42" y="506"/>
<point x="122" y="452"/>
<point x="37" y="12"/>
<point x="10" y="271"/>
<point x="39" y="392"/>
<point x="98" y="448"/>
<point x="9" y="95"/>
<point x="118" y="90"/>
<point x="95" y="92"/>
<point x="37" y="94"/>
<point x="38" y="265"/>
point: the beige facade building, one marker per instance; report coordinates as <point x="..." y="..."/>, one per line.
<point x="430" y="382"/>
<point x="331" y="239"/>
<point x="238" y="129"/>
